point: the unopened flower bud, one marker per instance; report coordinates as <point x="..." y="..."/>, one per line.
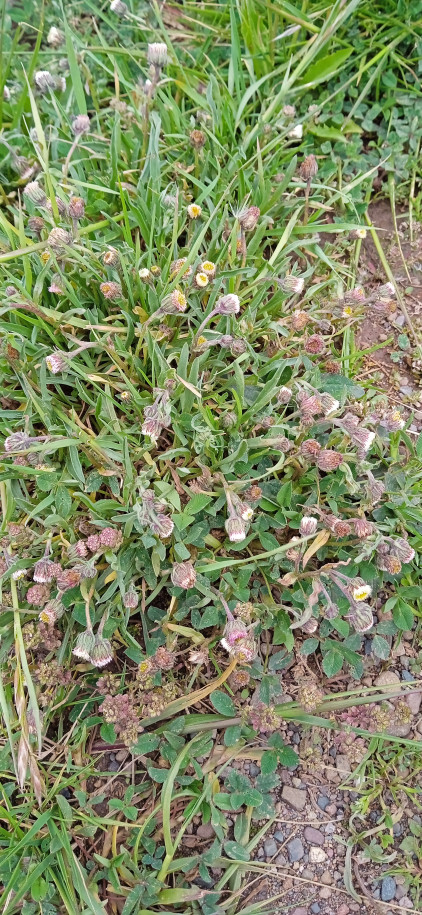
<point x="228" y="305"/>
<point x="238" y="347"/>
<point x="197" y="139"/>
<point x="288" y="111"/>
<point x="308" y="525"/>
<point x="102" y="653"/>
<point x="36" y="224"/>
<point x="110" y="538"/>
<point x="157" y="54"/>
<point x="402" y="550"/>
<point x="361" y="616"/>
<point x="35" y="193"/>
<point x="235" y="529"/>
<point x="284" y="395"/>
<point x="58" y="239"/>
<point x="299" y="320"/>
<point x="130" y="598"/>
<point x="18" y="441"/>
<point x="363" y="528"/>
<point x="55" y="37"/>
<point x="315" y="344"/>
<point x="162" y="526"/>
<point x="84" y="645"/>
<point x="183" y="575"/>
<point x="119" y="8"/>
<point x="44" y="80"/>
<point x="293" y="285"/>
<point x="45" y="570"/>
<point x="310" y="448"/>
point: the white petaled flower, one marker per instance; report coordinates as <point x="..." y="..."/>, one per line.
<point x="308" y="525"/>
<point x="6" y="94"/>
<point x="56" y="362"/>
<point x="360" y="233"/>
<point x="18" y="574"/>
<point x="329" y="404"/>
<point x="297" y="132"/>
<point x="361" y="592"/>
<point x="157" y="54"/>
<point x="144" y="273"/>
<point x="292" y="284"/>
<point x="228" y="304"/>
<point x="194" y="210"/>
<point x="201" y="280"/>
<point x="44" y="80"/>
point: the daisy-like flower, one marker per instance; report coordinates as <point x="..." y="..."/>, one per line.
<point x="201" y="280"/>
<point x="347" y="311"/>
<point x="360" y="590"/>
<point x="56" y="362"/>
<point x="194" y="210"/>
<point x="144" y="274"/>
<point x="360" y="233"/>
<point x="208" y="267"/>
<point x="19" y="574"/>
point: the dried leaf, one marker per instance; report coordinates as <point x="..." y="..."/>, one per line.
<point x="316" y="544"/>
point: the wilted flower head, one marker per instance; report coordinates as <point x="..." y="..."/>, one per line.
<point x="310" y="449"/>
<point x="401" y="549"/>
<point x="360" y="616"/>
<point x="84" y="645"/>
<point x="288" y="111"/>
<point x="44" y="80"/>
<point x="56" y="285"/>
<point x="393" y="421"/>
<point x="162" y="526"/>
<point x="33" y="192"/>
<point x="101" y="654"/>
<point x="130" y="598"/>
<point x="55" y="37"/>
<point x="387" y="291"/>
<point x="329" y="404"/>
<point x="157" y="54"/>
<point x="355" y="296"/>
<point x="248" y="218"/>
<point x="363" y="528"/>
<point x="375" y="488"/>
<point x="293" y="285"/>
<point x="177" y="265"/>
<point x="236" y="529"/>
<point x="315" y="344"/>
<point x="38" y="595"/>
<point x="45" y="570"/>
<point x="197" y="139"/>
<point x="308" y="168"/>
<point x="183" y="575"/>
<point x="110" y="537"/>
<point x="76" y="207"/>
<point x="228" y="304"/>
<point x="58" y="239"/>
<point x="111" y="290"/>
<point x="299" y="320"/>
<point x="18" y="441"/>
<point x="284" y="395"/>
<point x="329" y="460"/>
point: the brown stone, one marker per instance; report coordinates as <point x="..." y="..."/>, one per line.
<point x="295" y="797"/>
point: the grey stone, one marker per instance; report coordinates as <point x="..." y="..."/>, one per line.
<point x="315" y="908"/>
<point x="317" y="855"/>
<point x="414" y="700"/>
<point x="295" y="850"/>
<point x="281" y="860"/>
<point x="406" y="675"/>
<point x="300" y="911"/>
<point x="279" y="835"/>
<point x="254" y="769"/>
<point x="343" y="763"/>
<point x="314" y="836"/>
<point x="406" y="903"/>
<point x="296" y="797"/>
<point x="387" y="678"/>
<point x="205" y="831"/>
<point x="400" y="893"/>
<point x="397" y="829"/>
<point x="270" y="848"/>
<point x="323" y="802"/>
<point x="388" y="889"/>
<point x="113" y="766"/>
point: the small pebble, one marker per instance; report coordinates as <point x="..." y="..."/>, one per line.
<point x="406" y="675"/>
<point x="343" y="910"/>
<point x="315" y="908"/>
<point x="295" y="850"/>
<point x="281" y="860"/>
<point x="279" y="836"/>
<point x="325" y="892"/>
<point x="314" y="836"/>
<point x="205" y="831"/>
<point x="406" y="903"/>
<point x="400" y="893"/>
<point x="331" y="810"/>
<point x="254" y="770"/>
<point x="388" y="889"/>
<point x="323" y="802"/>
<point x="300" y="911"/>
<point x="270" y="848"/>
<point x="397" y="829"/>
<point x="295" y="797"/>
<point x="326" y="878"/>
<point x="113" y="766"/>
<point x="317" y="855"/>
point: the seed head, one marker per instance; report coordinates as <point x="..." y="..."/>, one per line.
<point x="197" y="139"/>
<point x="183" y="575"/>
<point x="76" y="208"/>
<point x="308" y="168"/>
<point x="402" y="550"/>
<point x="102" y="653"/>
<point x="248" y="218"/>
<point x="329" y="460"/>
<point x="58" y="239"/>
<point x="331" y="367"/>
<point x="38" y="595"/>
<point x="309" y="695"/>
<point x="194" y="210"/>
<point x="18" y="441"/>
<point x="84" y="645"/>
<point x="81" y="124"/>
<point x="118" y="7"/>
<point x="56" y="362"/>
<point x="35" y="193"/>
<point x="308" y="525"/>
<point x="235" y="529"/>
<point x="112" y="291"/>
<point x="228" y="305"/>
<point x="299" y="320"/>
<point x="315" y="344"/>
<point x="44" y="80"/>
<point x="163" y="659"/>
<point x="293" y="285"/>
<point x="360" y="616"/>
<point x="162" y="526"/>
<point x="55" y="37"/>
<point x="157" y="54"/>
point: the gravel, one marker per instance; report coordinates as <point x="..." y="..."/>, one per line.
<point x="388" y="889"/>
<point x="323" y="802"/>
<point x="270" y="848"/>
<point x="296" y="797"/>
<point x="254" y="770"/>
<point x="295" y="850"/>
<point x="314" y="836"/>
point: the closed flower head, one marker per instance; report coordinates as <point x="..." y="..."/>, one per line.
<point x="329" y="460"/>
<point x="59" y="238"/>
<point x="308" y="168"/>
<point x="112" y="291"/>
<point x="293" y="285"/>
<point x="35" y="193"/>
<point x="80" y="124"/>
<point x="157" y="54"/>
<point x="84" y="645"/>
<point x="308" y="525"/>
<point x="235" y="529"/>
<point x="228" y="305"/>
<point x="248" y="218"/>
<point x="56" y="362"/>
<point x="183" y="575"/>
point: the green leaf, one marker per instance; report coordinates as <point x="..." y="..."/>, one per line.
<point x="380" y="647"/>
<point x="65" y="807"/>
<point x="288" y="757"/>
<point x="108" y="733"/>
<point x="269" y="762"/>
<point x="403" y="615"/>
<point x="325" y="67"/>
<point x="223" y="703"/>
<point x="232" y="734"/>
<point x="236" y="851"/>
<point x="146" y="743"/>
<point x="309" y="646"/>
<point x="222" y="800"/>
<point x="340" y="387"/>
<point x="332" y="662"/>
<point x="419" y="446"/>
<point x="63" y="502"/>
<point x="251" y="797"/>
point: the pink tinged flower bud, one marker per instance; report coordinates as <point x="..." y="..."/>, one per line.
<point x="162" y="526"/>
<point x="376" y="488"/>
<point x="56" y="286"/>
<point x="293" y="285"/>
<point x="18" y="441"/>
<point x="331" y="611"/>
<point x="93" y="543"/>
<point x="55" y="37"/>
<point x="84" y="645"/>
<point x="363" y="528"/>
<point x="46" y="570"/>
<point x="315" y="345"/>
<point x="58" y="239"/>
<point x="329" y="404"/>
<point x="248" y="218"/>
<point x="110" y="538"/>
<point x="44" y="80"/>
<point x="308" y="526"/>
<point x="81" y="124"/>
<point x="355" y="296"/>
<point x="183" y="575"/>
<point x="361" y="616"/>
<point x="311" y="405"/>
<point x="112" y="291"/>
<point x="38" y="595"/>
<point x="81" y="549"/>
<point x="130" y="599"/>
<point x="329" y="460"/>
<point x="235" y="529"/>
<point x="111" y="258"/>
<point x="56" y="362"/>
<point x="228" y="305"/>
<point x="310" y="626"/>
<point x="401" y="549"/>
<point x="157" y="54"/>
<point x="102" y="652"/>
<point x="284" y="395"/>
